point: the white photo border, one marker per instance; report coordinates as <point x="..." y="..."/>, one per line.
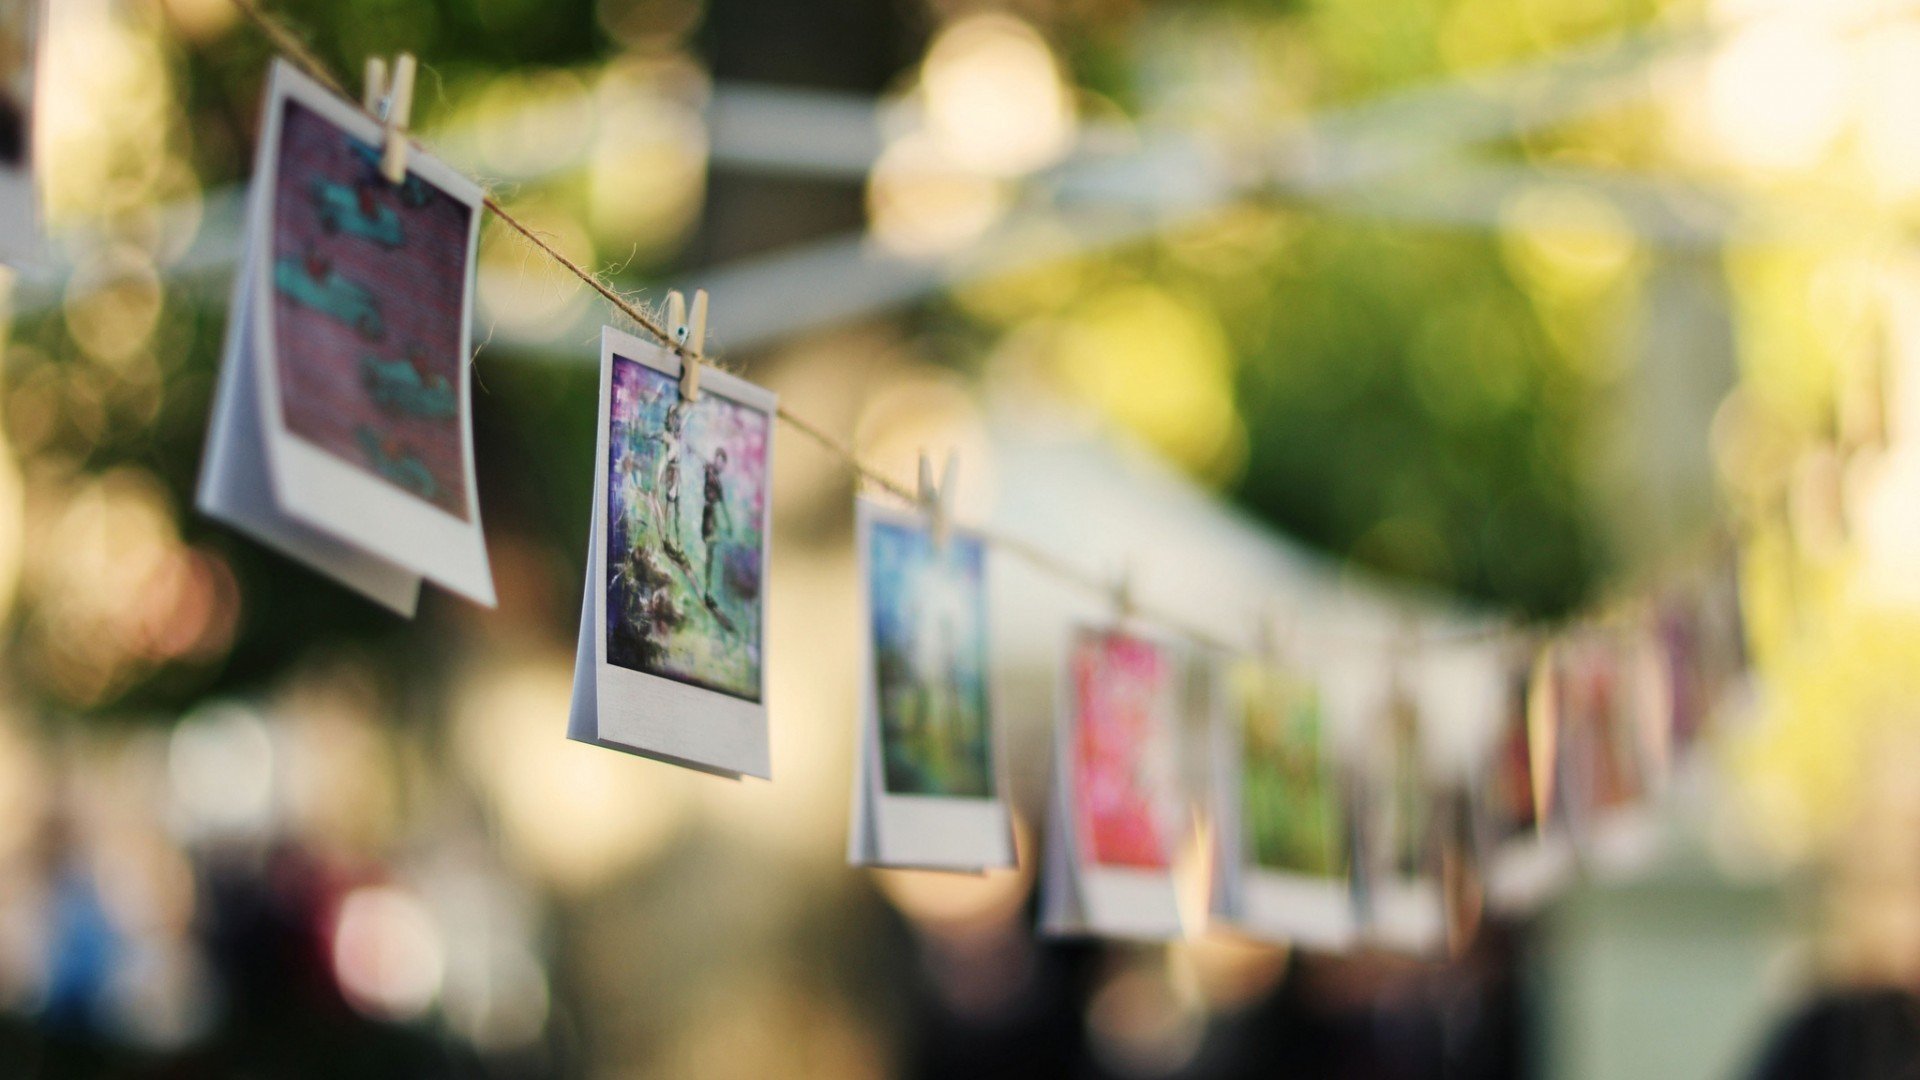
<point x="936" y="832"/>
<point x="315" y="485"/>
<point x="1117" y="901"/>
<point x="652" y="714"/>
<point x="1312" y="911"/>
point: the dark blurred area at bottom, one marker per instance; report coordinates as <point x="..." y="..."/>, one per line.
<point x="996" y="1002"/>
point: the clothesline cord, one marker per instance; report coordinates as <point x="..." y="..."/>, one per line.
<point x="288" y="43"/>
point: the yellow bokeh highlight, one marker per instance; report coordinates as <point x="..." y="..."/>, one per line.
<point x="1567" y="244"/>
<point x="1160" y="366"/>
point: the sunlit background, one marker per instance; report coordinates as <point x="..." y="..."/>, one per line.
<point x="1520" y="308"/>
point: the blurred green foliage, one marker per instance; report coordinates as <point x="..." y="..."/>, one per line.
<point x="1404" y="406"/>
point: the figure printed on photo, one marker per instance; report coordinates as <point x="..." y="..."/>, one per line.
<point x="715" y="521"/>
<point x="369" y="305"/>
<point x="1290" y="799"/>
<point x="1126" y="695"/>
<point x="929" y="612"/>
<point x="683" y="597"/>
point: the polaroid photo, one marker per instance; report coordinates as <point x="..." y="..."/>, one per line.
<point x="1700" y="630"/>
<point x="1279" y="812"/>
<point x="1113" y="830"/>
<point x="927" y="791"/>
<point x="343" y="430"/>
<point x="1520" y="827"/>
<point x="22" y="31"/>
<point x="1683" y="631"/>
<point x="1616" y="728"/>
<point x="1403" y="903"/>
<point x="672" y="653"/>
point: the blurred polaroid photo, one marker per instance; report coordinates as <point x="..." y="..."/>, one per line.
<point x="22" y="30"/>
<point x="672" y="657"/>
<point x="1699" y="627"/>
<point x="1279" y="811"/>
<point x="1520" y="826"/>
<point x="1616" y="727"/>
<point x="927" y="792"/>
<point x="343" y="430"/>
<point x="1688" y="645"/>
<point x="1402" y="901"/>
<point x="1113" y="829"/>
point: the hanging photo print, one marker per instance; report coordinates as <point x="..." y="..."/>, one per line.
<point x="22" y="29"/>
<point x="1279" y="811"/>
<point x="671" y="662"/>
<point x="1613" y="708"/>
<point x="1522" y="829"/>
<point x="926" y="791"/>
<point x="342" y="429"/>
<point x="1112" y="832"/>
<point x="1684" y="646"/>
<point x="1404" y="906"/>
<point x="1702" y="638"/>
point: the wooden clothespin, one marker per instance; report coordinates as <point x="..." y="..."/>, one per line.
<point x="689" y="339"/>
<point x="938" y="500"/>
<point x="1405" y="642"/>
<point x="1125" y="602"/>
<point x="677" y="316"/>
<point x="1268" y="637"/>
<point x="375" y="98"/>
<point x="1403" y="657"/>
<point x="1270" y="640"/>
<point x="392" y="104"/>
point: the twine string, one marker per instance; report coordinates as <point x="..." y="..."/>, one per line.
<point x="291" y="45"/>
